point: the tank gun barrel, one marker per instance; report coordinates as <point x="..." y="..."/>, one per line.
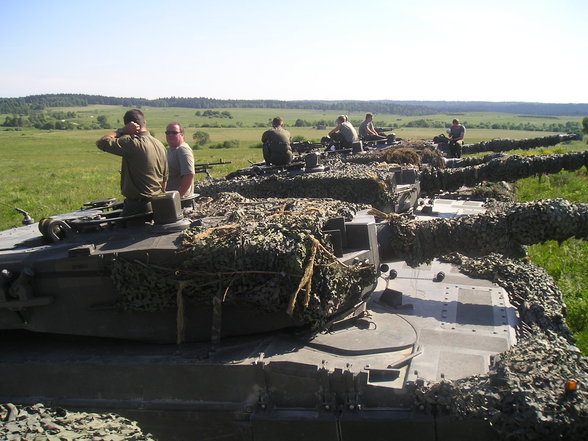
<point x="501" y="145"/>
<point x="504" y="232"/>
<point x="503" y="168"/>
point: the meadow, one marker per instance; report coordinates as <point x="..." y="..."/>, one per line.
<point x="47" y="172"/>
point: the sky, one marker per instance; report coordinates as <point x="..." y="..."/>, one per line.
<point x="423" y="50"/>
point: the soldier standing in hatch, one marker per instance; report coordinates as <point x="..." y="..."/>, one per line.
<point x="276" y="144"/>
<point x="456" y="134"/>
<point x="180" y="160"/>
<point x="144" y="169"/>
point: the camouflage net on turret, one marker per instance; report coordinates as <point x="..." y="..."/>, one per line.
<point x="268" y="254"/>
<point x="488" y="192"/>
<point x="502" y="145"/>
<point x="523" y="396"/>
<point x="406" y="154"/>
<point x="503" y="168"/>
<point x="419" y="152"/>
<point x="504" y="231"/>
<point x="39" y="423"/>
<point x="354" y="183"/>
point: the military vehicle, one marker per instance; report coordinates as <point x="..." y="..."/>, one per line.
<point x="309" y="156"/>
<point x="122" y="314"/>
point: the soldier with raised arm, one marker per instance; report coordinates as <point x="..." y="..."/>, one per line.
<point x="144" y="168"/>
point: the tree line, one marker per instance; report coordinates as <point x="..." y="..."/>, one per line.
<point x="56" y="120"/>
<point x="26" y="105"/>
<point x="61" y="120"/>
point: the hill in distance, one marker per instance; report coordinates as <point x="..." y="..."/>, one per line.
<point x="25" y="105"/>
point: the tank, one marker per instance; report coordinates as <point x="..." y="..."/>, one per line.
<point x="70" y="274"/>
<point x="333" y="334"/>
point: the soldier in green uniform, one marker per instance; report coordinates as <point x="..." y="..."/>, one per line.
<point x="276" y="144"/>
<point x="144" y="169"/>
<point x="456" y="134"/>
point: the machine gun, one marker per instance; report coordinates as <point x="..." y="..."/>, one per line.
<point x="301" y="147"/>
<point x="389" y="140"/>
<point x="384" y="129"/>
<point x="203" y="168"/>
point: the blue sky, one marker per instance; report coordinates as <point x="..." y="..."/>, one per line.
<point x="514" y="50"/>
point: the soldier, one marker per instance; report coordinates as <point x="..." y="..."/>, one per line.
<point x="456" y="134"/>
<point x="180" y="160"/>
<point x="367" y="131"/>
<point x="144" y="169"/>
<point x="344" y="134"/>
<point x="276" y="144"/>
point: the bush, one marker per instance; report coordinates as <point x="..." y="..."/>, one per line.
<point x="232" y="144"/>
<point x="303" y="123"/>
<point x="201" y="137"/>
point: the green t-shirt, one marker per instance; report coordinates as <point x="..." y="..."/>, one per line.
<point x="276" y="146"/>
<point x="144" y="164"/>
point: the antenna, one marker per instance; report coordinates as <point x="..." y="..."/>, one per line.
<point x="28" y="220"/>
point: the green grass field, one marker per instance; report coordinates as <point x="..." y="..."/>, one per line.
<point x="158" y="117"/>
<point x="567" y="262"/>
<point x="49" y="172"/>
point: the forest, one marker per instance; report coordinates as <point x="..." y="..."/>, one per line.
<point x="34" y="103"/>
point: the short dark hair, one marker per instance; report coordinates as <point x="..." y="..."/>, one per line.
<point x="277" y="121"/>
<point x="136" y="116"/>
<point x="181" y="127"/>
<point x="456" y="121"/>
<point x="368" y="115"/>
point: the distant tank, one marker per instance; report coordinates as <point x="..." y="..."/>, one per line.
<point x="256" y="315"/>
<point x="325" y="174"/>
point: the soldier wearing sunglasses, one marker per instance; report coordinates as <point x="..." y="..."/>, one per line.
<point x="180" y="159"/>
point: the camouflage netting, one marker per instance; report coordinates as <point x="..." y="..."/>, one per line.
<point x="471" y="161"/>
<point x="523" y="396"/>
<point x="405" y="155"/>
<point x="38" y="423"/>
<point x="502" y="145"/>
<point x="488" y="192"/>
<point x="346" y="182"/>
<point x="503" y="231"/>
<point x="570" y="158"/>
<point x="504" y="168"/>
<point x="269" y="254"/>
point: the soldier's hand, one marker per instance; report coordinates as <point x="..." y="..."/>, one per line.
<point x="132" y="128"/>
